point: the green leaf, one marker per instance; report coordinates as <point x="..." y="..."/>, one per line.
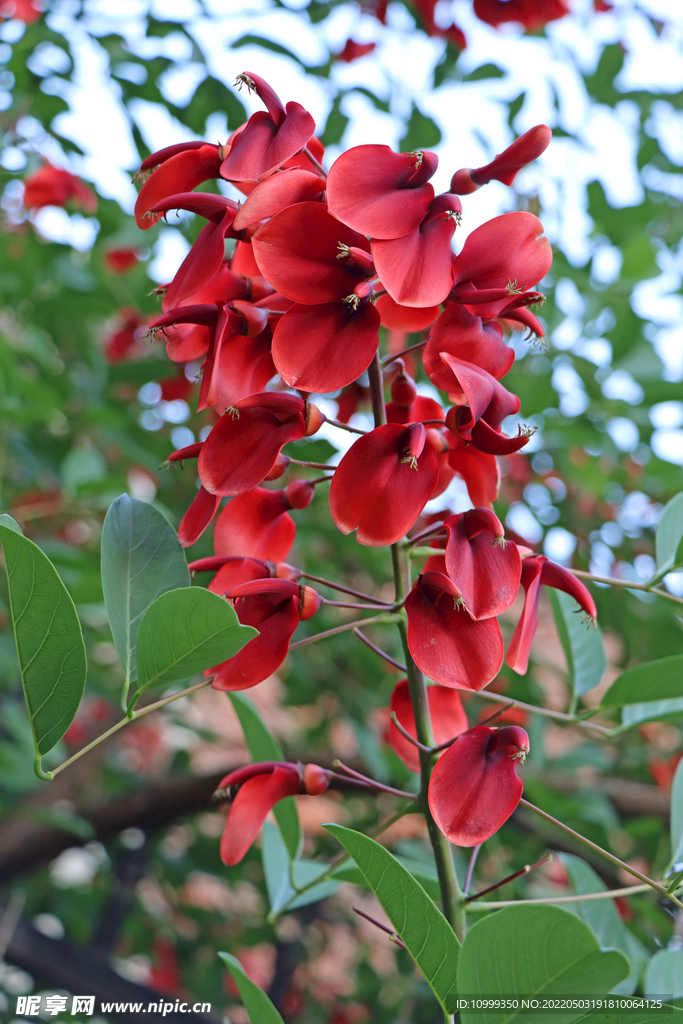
<point x="11" y="524"/>
<point x="276" y="868"/>
<point x="141" y="559"/>
<point x="184" y="632"/>
<point x="653" y="680"/>
<point x="582" y="644"/>
<point x="677" y="816"/>
<point x="49" y="640"/>
<point x="669" y="536"/>
<point x="428" y="937"/>
<point x="256" y="1002"/>
<point x="602" y="918"/>
<point x="423" y="872"/>
<point x="652" y="711"/>
<point x="664" y="974"/>
<point x="421" y="133"/>
<point x="534" y="951"/>
<point x="264" y="747"/>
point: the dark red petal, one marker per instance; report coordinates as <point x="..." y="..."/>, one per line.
<point x="276" y="193"/>
<point x="198" y="516"/>
<point x="449" y="646"/>
<point x="262" y="145"/>
<point x="377" y="192"/>
<point x="322" y="348"/>
<point x="255" y="798"/>
<point x="474" y="787"/>
<point x="486" y="573"/>
<point x="467" y="338"/>
<point x="520" y="645"/>
<point x="417" y="269"/>
<point x="507" y="164"/>
<point x="180" y="172"/>
<point x="493" y="442"/>
<point x="446" y="712"/>
<point x="275" y="620"/>
<point x="480" y="472"/>
<point x="554" y="575"/>
<point x="255" y="524"/>
<point x="298" y="252"/>
<point x="375" y="488"/>
<point x="231" y="572"/>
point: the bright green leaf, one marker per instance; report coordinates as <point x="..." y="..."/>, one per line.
<point x="582" y="644"/>
<point x="664" y="974"/>
<point x="276" y="868"/>
<point x="427" y="935"/>
<point x="534" y="951"/>
<point x="425" y="874"/>
<point x="654" y="680"/>
<point x="256" y="1002"/>
<point x="652" y="711"/>
<point x="184" y="632"/>
<point x="11" y="524"/>
<point x="677" y="816"/>
<point x="669" y="536"/>
<point x="141" y="559"/>
<point x="49" y="640"/>
<point x="264" y="747"/>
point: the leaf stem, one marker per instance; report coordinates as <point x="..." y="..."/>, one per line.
<point x="378" y="924"/>
<point x="627" y="584"/>
<point x="509" y="878"/>
<point x="378" y="650"/>
<point x="384" y="618"/>
<point x="630" y="890"/>
<point x="603" y="853"/>
<point x="344" y="590"/>
<point x="125" y="721"/>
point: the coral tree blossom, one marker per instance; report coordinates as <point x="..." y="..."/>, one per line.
<point x="289" y="294"/>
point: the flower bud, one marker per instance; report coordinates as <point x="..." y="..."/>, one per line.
<point x="314" y="419"/>
<point x="280" y="466"/>
<point x="316" y="779"/>
<point x="403" y="390"/>
<point x="299" y="494"/>
<point x="309" y="603"/>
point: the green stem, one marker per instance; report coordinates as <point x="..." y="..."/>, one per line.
<point x="124" y="721"/>
<point x="603" y="853"/>
<point x="384" y="617"/>
<point x="628" y="584"/>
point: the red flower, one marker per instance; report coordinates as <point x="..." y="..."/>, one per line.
<point x="506" y="165"/>
<point x="126" y="339"/>
<point x="269" y="139"/>
<point x="261" y="786"/>
<point x="485" y="569"/>
<point x="120" y="260"/>
<point x="53" y="186"/>
<point x="381" y="193"/>
<point x="405" y="318"/>
<point x="446" y="712"/>
<point x="482" y="405"/>
<point x="22" y="10"/>
<point x="383" y="483"/>
<point x="353" y="50"/>
<point x="417" y="268"/>
<point x="257" y="524"/>
<point x="474" y="787"/>
<point x="242" y="448"/>
<point x="480" y="471"/>
<point x="175" y="169"/>
<point x="278" y="192"/>
<point x="447" y="644"/>
<point x="274" y="607"/>
<point x="533" y="14"/>
<point x="538" y="570"/>
<point x="198" y="516"/>
<point x="466" y="337"/>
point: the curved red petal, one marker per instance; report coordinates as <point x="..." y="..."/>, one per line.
<point x="181" y="172"/>
<point x="255" y="524"/>
<point x="255" y="798"/>
<point x="277" y="192"/>
<point x="480" y="472"/>
<point x="262" y="146"/>
<point x="520" y="645"/>
<point x="198" y="516"/>
<point x="465" y="337"/>
<point x="417" y="269"/>
<point x="375" y="488"/>
<point x="474" y="787"/>
<point x="449" y="646"/>
<point x="486" y="573"/>
<point x="322" y="348"/>
<point x="447" y="715"/>
<point x="405" y="318"/>
<point x="275" y="620"/>
<point x="232" y="572"/>
<point x="554" y="575"/>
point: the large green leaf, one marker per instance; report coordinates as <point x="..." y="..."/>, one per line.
<point x="256" y="1002"/>
<point x="264" y="747"/>
<point x="184" y="632"/>
<point x="652" y="711"/>
<point x="420" y="925"/>
<point x="582" y="644"/>
<point x="677" y="817"/>
<point x="602" y="918"/>
<point x="664" y="974"/>
<point x="277" y="867"/>
<point x="534" y="951"/>
<point x="50" y="647"/>
<point x="669" y="536"/>
<point x="654" y="680"/>
<point x="141" y="559"/>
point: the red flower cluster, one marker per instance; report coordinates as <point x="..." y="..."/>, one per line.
<point x="53" y="186"/>
<point x="320" y="264"/>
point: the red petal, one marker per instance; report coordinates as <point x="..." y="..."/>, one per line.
<point x="480" y="472"/>
<point x="375" y="489"/>
<point x="298" y="253"/>
<point x="404" y="318"/>
<point x="417" y="269"/>
<point x="198" y="516"/>
<point x="322" y="348"/>
<point x="449" y="646"/>
<point x="474" y="787"/>
<point x="202" y="262"/>
<point x="275" y="620"/>
<point x="255" y="524"/>
<point x="446" y="712"/>
<point x="465" y="337"/>
<point x="262" y="146"/>
<point x="255" y="798"/>
<point x="486" y="573"/>
<point x="370" y="189"/>
<point x="232" y="572"/>
<point x="181" y="172"/>
<point x="276" y="193"/>
<point x="520" y="645"/>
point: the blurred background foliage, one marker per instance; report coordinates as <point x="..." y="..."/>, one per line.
<point x="120" y="856"/>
